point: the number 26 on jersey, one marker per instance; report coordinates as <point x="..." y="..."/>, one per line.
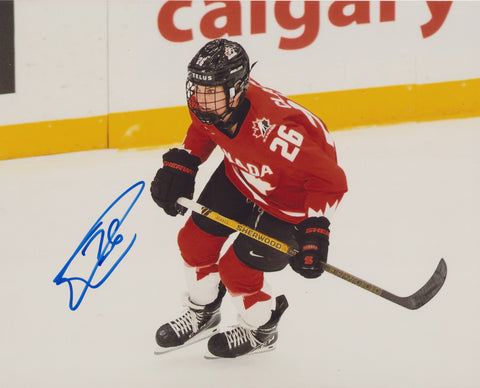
<point x="288" y="142"/>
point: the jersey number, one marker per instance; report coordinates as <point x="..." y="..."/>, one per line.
<point x="288" y="142"/>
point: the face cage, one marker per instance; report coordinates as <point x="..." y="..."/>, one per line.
<point x="206" y="105"/>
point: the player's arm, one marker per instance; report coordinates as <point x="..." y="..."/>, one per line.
<point x="325" y="188"/>
<point x="176" y="178"/>
<point x="197" y="142"/>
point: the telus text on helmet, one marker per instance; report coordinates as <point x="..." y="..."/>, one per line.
<point x="201" y="77"/>
<point x="224" y="18"/>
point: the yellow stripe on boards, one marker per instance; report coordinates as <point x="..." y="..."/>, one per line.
<point x="53" y="137"/>
<point x="395" y="104"/>
<point x="148" y="128"/>
<point x="340" y="110"/>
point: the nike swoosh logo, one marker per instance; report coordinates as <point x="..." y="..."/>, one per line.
<point x="255" y="255"/>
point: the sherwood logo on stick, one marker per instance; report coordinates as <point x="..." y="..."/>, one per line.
<point x="7" y="48"/>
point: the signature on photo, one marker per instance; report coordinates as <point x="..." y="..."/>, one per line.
<point x="106" y="234"/>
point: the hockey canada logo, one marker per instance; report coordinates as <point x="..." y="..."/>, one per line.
<point x="262" y="128"/>
<point x="230" y="52"/>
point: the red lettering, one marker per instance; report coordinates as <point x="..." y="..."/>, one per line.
<point x="318" y="230"/>
<point x="232" y="12"/>
<point x="360" y="14"/>
<point x="387" y="11"/>
<point x="308" y="260"/>
<point x="439" y="11"/>
<point x="166" y="25"/>
<point x="224" y="18"/>
<point x="310" y="20"/>
<point x="258" y="17"/>
<point x="179" y="167"/>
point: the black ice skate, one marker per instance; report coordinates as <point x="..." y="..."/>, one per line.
<point x="197" y="323"/>
<point x="240" y="340"/>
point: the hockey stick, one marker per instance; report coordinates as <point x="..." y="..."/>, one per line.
<point x="412" y="302"/>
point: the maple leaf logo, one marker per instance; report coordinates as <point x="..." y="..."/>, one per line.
<point x="261" y="128"/>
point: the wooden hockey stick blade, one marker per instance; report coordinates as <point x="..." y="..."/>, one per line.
<point x="412" y="302"/>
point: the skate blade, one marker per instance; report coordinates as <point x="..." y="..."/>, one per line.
<point x="202" y="336"/>
<point x="263" y="349"/>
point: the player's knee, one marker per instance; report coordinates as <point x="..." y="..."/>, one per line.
<point x="238" y="277"/>
<point x="198" y="248"/>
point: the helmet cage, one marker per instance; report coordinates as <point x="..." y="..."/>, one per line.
<point x="198" y="93"/>
<point x="212" y="67"/>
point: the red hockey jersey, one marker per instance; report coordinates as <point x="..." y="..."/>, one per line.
<point x="282" y="158"/>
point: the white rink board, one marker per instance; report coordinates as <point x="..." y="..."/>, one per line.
<point x="83" y="58"/>
<point x="60" y="61"/>
<point x="340" y="58"/>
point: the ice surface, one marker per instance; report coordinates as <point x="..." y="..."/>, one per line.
<point x="413" y="199"/>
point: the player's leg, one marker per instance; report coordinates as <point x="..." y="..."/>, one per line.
<point x="242" y="271"/>
<point x="200" y="242"/>
<point x="201" y="239"/>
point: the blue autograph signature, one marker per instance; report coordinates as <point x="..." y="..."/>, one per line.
<point x="113" y="238"/>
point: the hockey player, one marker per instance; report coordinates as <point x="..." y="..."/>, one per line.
<point x="279" y="175"/>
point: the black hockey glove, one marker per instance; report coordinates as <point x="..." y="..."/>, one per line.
<point x="174" y="180"/>
<point x="312" y="237"/>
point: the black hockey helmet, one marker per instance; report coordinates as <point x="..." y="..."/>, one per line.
<point x="219" y="63"/>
